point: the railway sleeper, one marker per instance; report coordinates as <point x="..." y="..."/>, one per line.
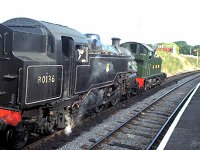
<point x="150" y="122"/>
<point x="145" y="129"/>
<point x="161" y="113"/>
<point x="134" y="140"/>
<point x="153" y="118"/>
<point x="158" y="113"/>
<point x="140" y="133"/>
<point x="170" y="103"/>
<point x="122" y="145"/>
<point x="147" y="126"/>
<point x="161" y="109"/>
<point x="156" y="121"/>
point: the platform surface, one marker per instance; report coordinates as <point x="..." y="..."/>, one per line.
<point x="186" y="135"/>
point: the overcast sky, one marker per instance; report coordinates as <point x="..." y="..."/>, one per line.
<point x="146" y="21"/>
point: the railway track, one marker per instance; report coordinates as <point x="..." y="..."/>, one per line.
<point x="156" y="140"/>
<point x="142" y="129"/>
<point x="39" y="142"/>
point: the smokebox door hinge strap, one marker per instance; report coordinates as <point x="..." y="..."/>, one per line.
<point x="8" y="76"/>
<point x="2" y="93"/>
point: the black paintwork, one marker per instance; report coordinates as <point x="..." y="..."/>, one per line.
<point x="38" y="52"/>
<point x="9" y="71"/>
<point x="43" y="83"/>
<point x="94" y="74"/>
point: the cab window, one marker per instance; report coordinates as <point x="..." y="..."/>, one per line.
<point x="67" y="45"/>
<point x="142" y="49"/>
<point x="81" y="53"/>
<point x="133" y="47"/>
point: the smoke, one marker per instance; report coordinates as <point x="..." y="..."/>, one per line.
<point x="94" y="97"/>
<point x="70" y="124"/>
<point x="100" y="71"/>
<point x="133" y="65"/>
<point x="68" y="130"/>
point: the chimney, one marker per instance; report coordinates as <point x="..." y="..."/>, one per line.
<point x="115" y="41"/>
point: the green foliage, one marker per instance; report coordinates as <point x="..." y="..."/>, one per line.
<point x="170" y="64"/>
<point x="184" y="48"/>
<point x="196" y="47"/>
<point x="180" y="44"/>
<point x="173" y="64"/>
<point x="187" y="49"/>
<point x="193" y="61"/>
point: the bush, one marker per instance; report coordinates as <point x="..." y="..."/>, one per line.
<point x="175" y="63"/>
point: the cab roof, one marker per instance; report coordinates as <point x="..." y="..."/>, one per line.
<point x="44" y="28"/>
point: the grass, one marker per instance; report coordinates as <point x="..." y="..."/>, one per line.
<point x="175" y="63"/>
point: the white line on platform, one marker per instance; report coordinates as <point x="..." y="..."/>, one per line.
<point x="173" y="125"/>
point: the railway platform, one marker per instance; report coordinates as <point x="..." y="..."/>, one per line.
<point x="185" y="135"/>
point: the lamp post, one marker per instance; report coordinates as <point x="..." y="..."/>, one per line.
<point x="197" y="50"/>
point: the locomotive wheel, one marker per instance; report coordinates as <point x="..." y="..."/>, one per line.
<point x="16" y="139"/>
<point x="98" y="109"/>
<point x="138" y="91"/>
<point x="48" y="128"/>
<point x="49" y="125"/>
<point x="115" y="101"/>
<point x="128" y="96"/>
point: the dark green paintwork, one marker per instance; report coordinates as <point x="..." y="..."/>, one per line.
<point x="147" y="63"/>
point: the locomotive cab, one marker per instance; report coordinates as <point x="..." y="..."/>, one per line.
<point x="29" y="67"/>
<point x="144" y="55"/>
<point x="8" y="76"/>
<point x="149" y="66"/>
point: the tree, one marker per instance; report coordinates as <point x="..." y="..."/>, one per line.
<point x="184" y="48"/>
<point x="181" y="44"/>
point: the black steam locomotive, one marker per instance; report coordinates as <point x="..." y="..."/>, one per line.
<point x="49" y="71"/>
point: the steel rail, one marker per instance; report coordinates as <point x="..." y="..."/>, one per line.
<point x="127" y="121"/>
<point x="170" y="118"/>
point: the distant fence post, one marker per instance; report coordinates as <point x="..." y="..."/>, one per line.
<point x="197" y="50"/>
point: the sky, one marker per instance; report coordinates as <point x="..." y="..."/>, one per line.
<point x="145" y="21"/>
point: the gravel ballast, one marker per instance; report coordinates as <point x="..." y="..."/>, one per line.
<point x="110" y="123"/>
